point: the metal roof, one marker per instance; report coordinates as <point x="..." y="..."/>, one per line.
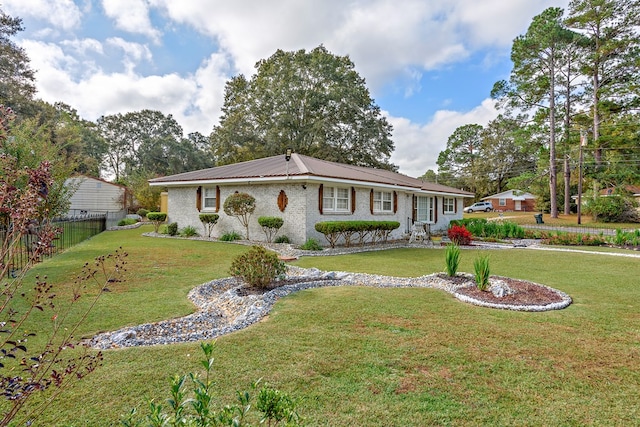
<point x="305" y="168"/>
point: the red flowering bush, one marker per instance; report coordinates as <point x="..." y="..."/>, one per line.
<point x="459" y="235"/>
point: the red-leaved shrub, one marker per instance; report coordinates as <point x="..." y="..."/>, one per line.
<point x="459" y="235"/>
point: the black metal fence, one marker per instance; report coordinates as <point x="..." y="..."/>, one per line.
<point x="73" y="230"/>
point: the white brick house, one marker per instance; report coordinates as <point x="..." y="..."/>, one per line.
<point x="303" y="191"/>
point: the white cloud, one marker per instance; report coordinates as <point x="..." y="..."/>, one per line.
<point x="133" y="52"/>
<point x="131" y="16"/>
<point x="383" y="37"/>
<point x="83" y="46"/>
<point x="62" y="14"/>
<point x="418" y="146"/>
<point x="100" y="94"/>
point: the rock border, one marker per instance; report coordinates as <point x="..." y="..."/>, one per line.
<point x="221" y="310"/>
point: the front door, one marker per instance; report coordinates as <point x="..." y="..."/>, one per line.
<point x="518" y="205"/>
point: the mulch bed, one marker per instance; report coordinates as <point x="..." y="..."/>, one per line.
<point x="526" y="293"/>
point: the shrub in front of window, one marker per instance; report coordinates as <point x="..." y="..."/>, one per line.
<point x="270" y="225"/>
<point x="157" y="218"/>
<point x="208" y="220"/>
<point x="240" y="205"/>
<point x="359" y="231"/>
<point x="459" y="235"/>
<point x="258" y="267"/>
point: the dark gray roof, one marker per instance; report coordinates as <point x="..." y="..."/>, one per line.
<point x="301" y="166"/>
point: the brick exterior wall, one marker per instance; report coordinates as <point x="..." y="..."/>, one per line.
<point x="301" y="213"/>
<point x="527" y="205"/>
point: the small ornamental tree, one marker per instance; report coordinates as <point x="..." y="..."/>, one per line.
<point x="208" y="220"/>
<point x="49" y="364"/>
<point x="240" y="205"/>
<point x="270" y="225"/>
<point x="156" y="218"/>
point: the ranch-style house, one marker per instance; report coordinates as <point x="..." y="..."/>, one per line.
<point x="303" y="190"/>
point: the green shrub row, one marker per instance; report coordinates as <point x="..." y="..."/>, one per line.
<point x="482" y="228"/>
<point x="358" y="231"/>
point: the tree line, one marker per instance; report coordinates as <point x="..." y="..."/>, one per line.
<point x="312" y="102"/>
<point x="575" y="85"/>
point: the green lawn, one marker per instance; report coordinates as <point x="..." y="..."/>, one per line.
<point x="378" y="357"/>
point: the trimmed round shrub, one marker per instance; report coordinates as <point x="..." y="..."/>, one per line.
<point x="142" y="212"/>
<point x="157" y="218"/>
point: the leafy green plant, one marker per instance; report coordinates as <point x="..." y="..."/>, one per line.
<point x="282" y="239"/>
<point x="613" y="208"/>
<point x="270" y="225"/>
<point x="482" y="271"/>
<point x="240" y="205"/>
<point x="452" y="259"/>
<point x="208" y="220"/>
<point x="172" y="229"/>
<point x="311" y="245"/>
<point x="126" y="221"/>
<point x="157" y="218"/>
<point x="258" y="267"/>
<point x="142" y="212"/>
<point x="230" y="236"/>
<point x="189" y="231"/>
<point x="274" y="405"/>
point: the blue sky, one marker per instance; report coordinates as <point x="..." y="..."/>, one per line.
<point x="429" y="64"/>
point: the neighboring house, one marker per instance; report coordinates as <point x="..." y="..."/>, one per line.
<point x="96" y="196"/>
<point x="633" y="190"/>
<point x="304" y="190"/>
<point x="513" y="200"/>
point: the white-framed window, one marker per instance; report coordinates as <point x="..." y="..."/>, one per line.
<point x="424" y="209"/>
<point x="209" y="198"/>
<point x="382" y="201"/>
<point x="336" y="199"/>
<point x="448" y="205"/>
<point x="502" y="202"/>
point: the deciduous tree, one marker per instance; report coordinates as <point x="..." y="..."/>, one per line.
<point x="313" y="102"/>
<point x="16" y="76"/>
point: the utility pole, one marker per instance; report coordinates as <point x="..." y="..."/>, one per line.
<point x="583" y="142"/>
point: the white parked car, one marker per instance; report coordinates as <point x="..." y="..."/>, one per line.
<point x="479" y="207"/>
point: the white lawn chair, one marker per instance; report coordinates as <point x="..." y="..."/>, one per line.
<point x="418" y="231"/>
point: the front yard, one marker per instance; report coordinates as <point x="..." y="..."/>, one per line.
<point x="376" y="357"/>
